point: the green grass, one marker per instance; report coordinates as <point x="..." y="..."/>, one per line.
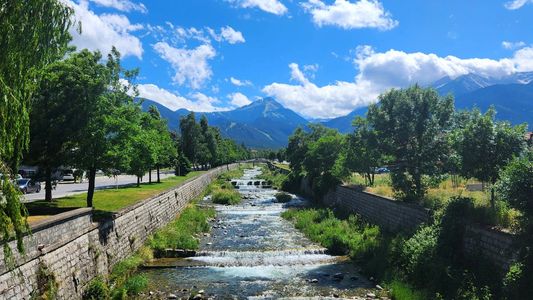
<point x="402" y="291"/>
<point x="350" y="236"/>
<point x="181" y="233"/>
<point x="282" y="166"/>
<point x="273" y="177"/>
<point x="109" y="200"/>
<point x="226" y="197"/>
<point x="438" y="196"/>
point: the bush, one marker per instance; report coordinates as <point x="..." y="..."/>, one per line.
<point x="226" y="197"/>
<point x="136" y="284"/>
<point x="402" y="291"/>
<point x="97" y="290"/>
<point x="283" y="197"/>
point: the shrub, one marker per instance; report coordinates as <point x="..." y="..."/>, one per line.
<point x="96" y="290"/>
<point x="136" y="284"/>
<point x="283" y="197"/>
<point x="400" y="290"/>
<point x="226" y="197"/>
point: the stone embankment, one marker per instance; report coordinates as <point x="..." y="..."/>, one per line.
<point x="73" y="249"/>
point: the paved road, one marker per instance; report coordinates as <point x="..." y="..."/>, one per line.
<point x="102" y="182"/>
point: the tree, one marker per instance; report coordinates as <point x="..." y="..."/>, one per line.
<point x="296" y="150"/>
<point x="57" y="110"/>
<point x="33" y="34"/>
<point x="362" y="153"/>
<point x="190" y="133"/>
<point x="486" y="146"/>
<point x="110" y="121"/>
<point x="411" y="125"/>
<point x="516" y="187"/>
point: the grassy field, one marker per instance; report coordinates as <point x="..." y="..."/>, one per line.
<point x="105" y="201"/>
<point x="282" y="166"/>
<point x="438" y="196"/>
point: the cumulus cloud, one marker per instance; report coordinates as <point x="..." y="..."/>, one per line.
<point x="238" y="82"/>
<point x="102" y="32"/>
<point x="379" y="72"/>
<point x="512" y="45"/>
<point x="270" y="6"/>
<point x="227" y="34"/>
<point x="197" y="102"/>
<point x="238" y="99"/>
<point x="122" y="5"/>
<point x="350" y="15"/>
<point x="516" y="4"/>
<point x="191" y="65"/>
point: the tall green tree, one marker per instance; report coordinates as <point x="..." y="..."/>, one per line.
<point x="111" y="121"/>
<point x="33" y="34"/>
<point x="411" y="125"/>
<point x="190" y="137"/>
<point x="362" y="153"/>
<point x="58" y="107"/>
<point x="486" y="146"/>
<point x="296" y="150"/>
<point x="165" y="152"/>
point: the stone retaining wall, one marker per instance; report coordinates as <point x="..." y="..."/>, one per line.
<point x="75" y="249"/>
<point x="397" y="216"/>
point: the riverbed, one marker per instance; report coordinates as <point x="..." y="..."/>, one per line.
<point x="253" y="253"/>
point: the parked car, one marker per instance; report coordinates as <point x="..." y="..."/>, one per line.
<point x="27" y="185"/>
<point x="382" y="170"/>
<point x="68" y="175"/>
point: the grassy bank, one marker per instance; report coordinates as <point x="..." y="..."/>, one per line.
<point x="440" y="193"/>
<point x="108" y="200"/>
<point x="401" y="263"/>
<point x="221" y="189"/>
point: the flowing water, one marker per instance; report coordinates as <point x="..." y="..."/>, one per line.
<point x="253" y="253"/>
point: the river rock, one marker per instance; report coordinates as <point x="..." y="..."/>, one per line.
<point x="197" y="297"/>
<point x="338" y="276"/>
<point x="371" y="295"/>
<point x="379" y="287"/>
<point x="172" y="296"/>
<point x="314" y="280"/>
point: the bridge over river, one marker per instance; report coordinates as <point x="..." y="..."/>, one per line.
<point x="253" y="253"/>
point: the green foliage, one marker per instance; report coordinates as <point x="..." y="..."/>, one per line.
<point x="32" y="34"/>
<point x="513" y="281"/>
<point x="46" y="283"/>
<point x="136" y="284"/>
<point x="96" y="290"/>
<point x="340" y="236"/>
<point x="486" y="146"/>
<point x="273" y="177"/>
<point x="516" y="185"/>
<point x="226" y="196"/>
<point x="180" y="233"/>
<point x="400" y="290"/>
<point x="362" y="153"/>
<point x="283" y="197"/>
<point x="410" y="126"/>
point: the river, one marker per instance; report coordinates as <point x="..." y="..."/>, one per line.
<point x="253" y="253"/>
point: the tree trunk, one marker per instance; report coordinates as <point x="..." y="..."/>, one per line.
<point x="158" y="176"/>
<point x="138" y="181"/>
<point x="90" y="191"/>
<point x="492" y="198"/>
<point x="48" y="185"/>
<point x="150" y="176"/>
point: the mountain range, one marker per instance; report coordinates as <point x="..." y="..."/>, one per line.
<point x="266" y="123"/>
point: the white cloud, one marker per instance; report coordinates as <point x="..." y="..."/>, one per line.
<point x="102" y="32"/>
<point x="270" y="6"/>
<point x="512" y="45"/>
<point x="228" y="34"/>
<point x="239" y="99"/>
<point x="516" y="4"/>
<point x="238" y="82"/>
<point x="199" y="101"/>
<point x="191" y="65"/>
<point x="379" y="72"/>
<point x="122" y="5"/>
<point x="348" y="15"/>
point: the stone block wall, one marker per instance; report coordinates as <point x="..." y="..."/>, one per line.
<point x="397" y="216"/>
<point x="75" y="250"/>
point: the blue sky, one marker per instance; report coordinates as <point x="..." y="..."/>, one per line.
<point x="320" y="58"/>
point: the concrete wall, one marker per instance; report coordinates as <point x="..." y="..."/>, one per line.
<point x="396" y="216"/>
<point x="75" y="249"/>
